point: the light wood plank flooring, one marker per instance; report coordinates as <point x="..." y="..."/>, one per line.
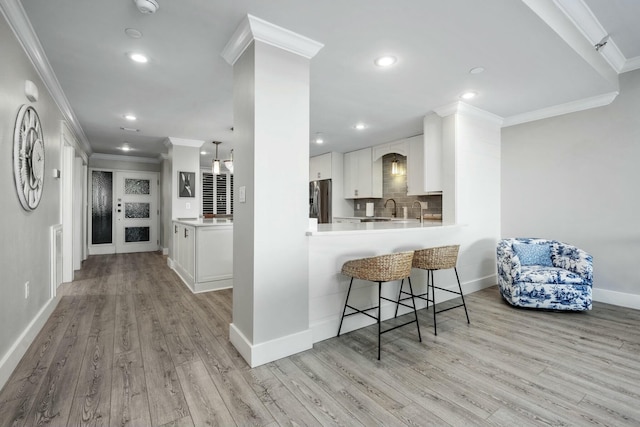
<point x="129" y="345"/>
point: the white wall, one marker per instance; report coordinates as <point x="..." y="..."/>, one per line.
<point x="575" y="178"/>
<point x="24" y="253"/>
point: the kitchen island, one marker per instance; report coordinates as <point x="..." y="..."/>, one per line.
<point x="202" y="253"/>
<point x="330" y="245"/>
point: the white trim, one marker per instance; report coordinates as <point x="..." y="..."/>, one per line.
<point x="558" y="110"/>
<point x="165" y="251"/>
<point x="460" y="107"/>
<point x="22" y="28"/>
<point x="252" y="28"/>
<point x="631" y="64"/>
<point x="616" y="298"/>
<point x="123" y="158"/>
<point x="583" y="18"/>
<point x="12" y="357"/>
<point x="259" y="354"/>
<point x="183" y="142"/>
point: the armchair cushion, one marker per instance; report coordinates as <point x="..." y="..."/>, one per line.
<point x="564" y="285"/>
<point x="533" y="254"/>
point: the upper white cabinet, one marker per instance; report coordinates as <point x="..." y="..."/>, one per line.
<point x="320" y="167"/>
<point x="424" y="162"/>
<point x="362" y="175"/>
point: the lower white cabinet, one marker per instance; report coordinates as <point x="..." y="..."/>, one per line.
<point x="203" y="254"/>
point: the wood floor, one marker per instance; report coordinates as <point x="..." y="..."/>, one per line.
<point x="129" y="345"/>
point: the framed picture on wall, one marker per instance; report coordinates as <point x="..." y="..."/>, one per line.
<point x="187" y="184"/>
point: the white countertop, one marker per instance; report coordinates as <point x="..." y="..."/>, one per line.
<point x="339" y="228"/>
<point x="205" y="222"/>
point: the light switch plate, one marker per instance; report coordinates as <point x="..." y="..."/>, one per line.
<point x="187" y="205"/>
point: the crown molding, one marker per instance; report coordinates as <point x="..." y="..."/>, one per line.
<point x="554" y="15"/>
<point x="252" y="28"/>
<point x="183" y="142"/>
<point x="123" y="158"/>
<point x="586" y="22"/>
<point x="631" y="64"/>
<point x="17" y="18"/>
<point x="558" y="110"/>
<point x="460" y="107"/>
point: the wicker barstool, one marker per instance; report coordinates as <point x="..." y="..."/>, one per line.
<point x="380" y="269"/>
<point x="440" y="258"/>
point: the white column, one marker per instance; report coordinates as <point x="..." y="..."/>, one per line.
<point x="271" y="167"/>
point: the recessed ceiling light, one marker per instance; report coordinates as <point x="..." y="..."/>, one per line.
<point x="133" y="33"/>
<point x="360" y="126"/>
<point x="125" y="147"/>
<point x="476" y="70"/>
<point x="385" y="61"/>
<point x="203" y="152"/>
<point x="468" y="95"/>
<point x="130" y="129"/>
<point x="138" y="57"/>
<point x="130" y="117"/>
<point x="319" y="139"/>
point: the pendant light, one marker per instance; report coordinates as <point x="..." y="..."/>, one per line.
<point x="229" y="163"/>
<point x="394" y="165"/>
<point x="215" y="166"/>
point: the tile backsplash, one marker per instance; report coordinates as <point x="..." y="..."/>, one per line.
<point x="395" y="187"/>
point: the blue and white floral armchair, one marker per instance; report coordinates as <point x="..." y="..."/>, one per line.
<point x="543" y="273"/>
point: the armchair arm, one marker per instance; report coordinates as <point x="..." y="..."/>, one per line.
<point x="573" y="259"/>
<point x="508" y="263"/>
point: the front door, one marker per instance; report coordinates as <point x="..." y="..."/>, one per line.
<point x="136" y="212"/>
<point x="123" y="212"/>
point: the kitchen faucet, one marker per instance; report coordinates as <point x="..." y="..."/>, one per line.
<point x="420" y="206"/>
<point x="395" y="211"/>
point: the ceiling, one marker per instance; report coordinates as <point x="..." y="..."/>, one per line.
<point x="538" y="60"/>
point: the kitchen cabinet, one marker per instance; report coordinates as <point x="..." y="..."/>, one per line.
<point x="184" y="250"/>
<point x="424" y="162"/>
<point x="362" y="175"/>
<point x="320" y="167"/>
<point x="203" y="253"/>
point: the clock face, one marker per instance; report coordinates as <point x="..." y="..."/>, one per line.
<point x="28" y="157"/>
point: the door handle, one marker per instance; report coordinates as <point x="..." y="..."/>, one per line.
<point x="186" y="233"/>
<point x="175" y="229"/>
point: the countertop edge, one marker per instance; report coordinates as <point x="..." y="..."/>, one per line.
<point x="204" y="223"/>
<point x="405" y="228"/>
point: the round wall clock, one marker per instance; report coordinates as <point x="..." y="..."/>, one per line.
<point x="28" y="157"/>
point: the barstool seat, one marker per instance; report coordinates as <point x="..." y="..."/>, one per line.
<point x="380" y="269"/>
<point x="432" y="259"/>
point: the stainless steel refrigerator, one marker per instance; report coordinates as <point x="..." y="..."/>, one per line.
<point x="320" y="200"/>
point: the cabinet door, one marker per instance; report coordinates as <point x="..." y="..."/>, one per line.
<point x="189" y="265"/>
<point x="320" y="167"/>
<point x="350" y="174"/>
<point x="415" y="166"/>
<point x="362" y="176"/>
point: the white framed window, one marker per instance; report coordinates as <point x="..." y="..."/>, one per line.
<point x="217" y="193"/>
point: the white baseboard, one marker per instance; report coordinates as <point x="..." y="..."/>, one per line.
<point x="259" y="354"/>
<point x="617" y="298"/>
<point x="11" y="359"/>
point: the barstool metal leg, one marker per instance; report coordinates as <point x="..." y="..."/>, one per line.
<point x="344" y="310"/>
<point x="399" y="295"/>
<point x="379" y="315"/>
<point x="415" y="312"/>
<point x="433" y="299"/>
<point x="462" y="296"/>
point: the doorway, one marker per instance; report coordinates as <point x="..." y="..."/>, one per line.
<point x="123" y="212"/>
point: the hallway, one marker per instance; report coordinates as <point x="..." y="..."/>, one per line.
<point x="129" y="345"/>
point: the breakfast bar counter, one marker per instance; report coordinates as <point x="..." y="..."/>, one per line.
<point x="330" y="245"/>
